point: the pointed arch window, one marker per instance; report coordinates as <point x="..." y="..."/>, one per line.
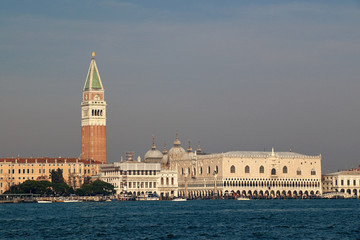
<point x="261" y="169"/>
<point x="232" y="169"/>
<point x="273" y="171"/>
<point x="285" y="170"/>
<point x="298" y="172"/>
<point x="247" y="169"/>
<point x="313" y="172"/>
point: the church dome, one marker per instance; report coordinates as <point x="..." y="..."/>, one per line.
<point x="153" y="155"/>
<point x="176" y="152"/>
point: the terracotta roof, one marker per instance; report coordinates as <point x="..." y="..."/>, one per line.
<point x="48" y="160"/>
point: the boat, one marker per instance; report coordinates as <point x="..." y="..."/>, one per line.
<point x="179" y="200"/>
<point x="148" y="196"/>
<point x="44" y="201"/>
<point x="243" y="199"/>
<point x="72" y="200"/>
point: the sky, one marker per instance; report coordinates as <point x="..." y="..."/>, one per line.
<point x="234" y="75"/>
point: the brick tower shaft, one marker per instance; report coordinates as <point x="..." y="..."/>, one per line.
<point x="93" y="116"/>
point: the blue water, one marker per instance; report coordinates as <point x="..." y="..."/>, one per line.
<point x="207" y="219"/>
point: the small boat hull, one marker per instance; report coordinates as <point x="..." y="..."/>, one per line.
<point x="44" y="201"/>
<point x="179" y="200"/>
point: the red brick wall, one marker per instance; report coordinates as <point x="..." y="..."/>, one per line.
<point x="93" y="146"/>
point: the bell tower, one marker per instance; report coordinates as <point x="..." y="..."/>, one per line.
<point x="93" y="116"/>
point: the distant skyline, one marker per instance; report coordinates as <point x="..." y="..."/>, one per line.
<point x="236" y="75"/>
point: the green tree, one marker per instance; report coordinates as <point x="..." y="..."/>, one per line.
<point x="95" y="188"/>
<point x="32" y="186"/>
<point x="57" y="176"/>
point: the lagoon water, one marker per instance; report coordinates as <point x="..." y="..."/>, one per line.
<point x="201" y="219"/>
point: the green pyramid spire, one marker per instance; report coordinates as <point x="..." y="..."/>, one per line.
<point x="93" y="80"/>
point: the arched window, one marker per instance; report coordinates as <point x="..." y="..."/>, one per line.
<point x="188" y="170"/>
<point x="101" y="112"/>
<point x="247" y="169"/>
<point x="217" y="169"/>
<point x="232" y="169"/>
<point x="273" y="171"/>
<point x="167" y="181"/>
<point x="162" y="181"/>
<point x="285" y="169"/>
<point x="172" y="181"/>
<point x="313" y="172"/>
<point x="261" y="169"/>
<point x="92" y="112"/>
<point x="209" y="170"/>
<point x="182" y="171"/>
<point x="298" y="172"/>
<point x="200" y="170"/>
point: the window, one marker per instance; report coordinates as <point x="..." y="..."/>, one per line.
<point x="167" y="181"/>
<point x="200" y="170"/>
<point x="313" y="172"/>
<point x="189" y="171"/>
<point x="285" y="170"/>
<point x="129" y="184"/>
<point x="298" y="172"/>
<point x="354" y="182"/>
<point x="273" y="171"/>
<point x="217" y="169"/>
<point x="209" y="170"/>
<point x="342" y="182"/>
<point x="232" y="169"/>
<point x="348" y="182"/>
<point x="182" y="171"/>
<point x="261" y="169"/>
<point x="162" y="181"/>
<point x="172" y="181"/>
<point x="247" y="169"/>
<point x="154" y="184"/>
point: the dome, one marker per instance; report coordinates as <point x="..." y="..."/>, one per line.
<point x="153" y="155"/>
<point x="176" y="152"/>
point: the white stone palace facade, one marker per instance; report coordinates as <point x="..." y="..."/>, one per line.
<point x="137" y="178"/>
<point x="345" y="182"/>
<point x="255" y="174"/>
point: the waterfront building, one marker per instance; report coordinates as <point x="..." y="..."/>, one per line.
<point x="247" y="173"/>
<point x="93" y="116"/>
<point x="137" y="178"/>
<point x="347" y="183"/>
<point x="14" y="171"/>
